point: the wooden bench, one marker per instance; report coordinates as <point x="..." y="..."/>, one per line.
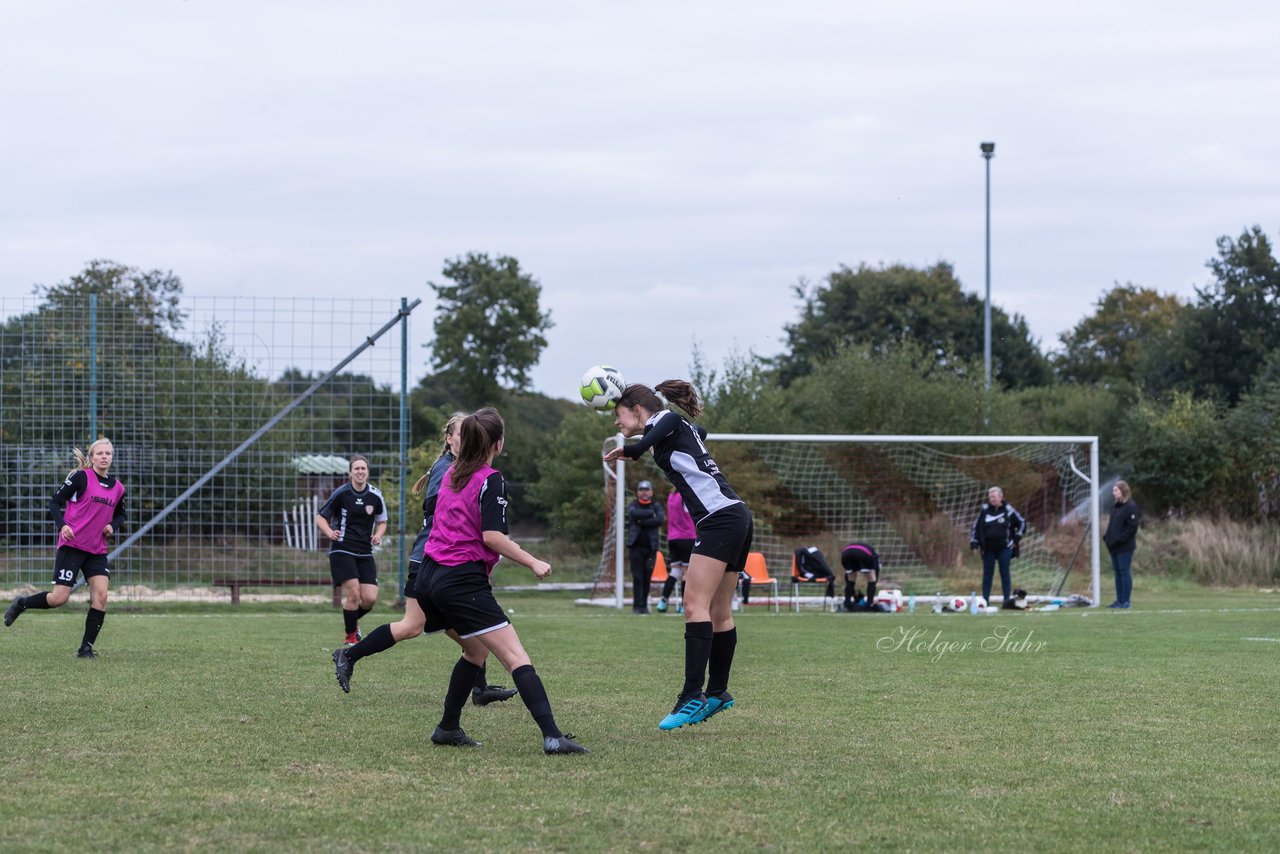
<point x="236" y="583"/>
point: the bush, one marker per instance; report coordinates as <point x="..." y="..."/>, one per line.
<point x="1175" y="455"/>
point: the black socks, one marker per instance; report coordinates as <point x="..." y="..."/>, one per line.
<point x="92" y="625"/>
<point x="697" y="652"/>
<point x="38" y="601"/>
<point x="721" y="661"/>
<point x="535" y="699"/>
<point x="460" y="682"/>
<point x="378" y="640"/>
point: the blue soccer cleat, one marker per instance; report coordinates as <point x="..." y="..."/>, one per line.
<point x="718" y="703"/>
<point x="690" y="711"/>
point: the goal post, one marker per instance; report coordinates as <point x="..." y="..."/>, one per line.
<point x="914" y="498"/>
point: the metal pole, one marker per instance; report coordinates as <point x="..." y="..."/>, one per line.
<point x="93" y="368"/>
<point x="988" y="151"/>
<point x="1095" y="513"/>
<point x="404" y="441"/>
<point x="619" y="517"/>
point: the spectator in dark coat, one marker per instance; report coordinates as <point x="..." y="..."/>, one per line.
<point x="1121" y="539"/>
<point x="645" y="518"/>
<point x="997" y="533"/>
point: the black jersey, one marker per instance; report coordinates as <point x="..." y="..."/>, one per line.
<point x="679" y="452"/>
<point x="353" y="517"/>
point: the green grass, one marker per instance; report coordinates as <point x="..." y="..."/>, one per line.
<point x="224" y="730"/>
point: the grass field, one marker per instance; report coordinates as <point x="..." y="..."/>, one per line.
<point x="203" y="727"/>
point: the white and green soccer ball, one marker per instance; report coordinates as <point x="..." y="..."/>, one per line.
<point x="601" y="387"/>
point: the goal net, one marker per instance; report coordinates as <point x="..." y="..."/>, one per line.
<point x="914" y="498"/>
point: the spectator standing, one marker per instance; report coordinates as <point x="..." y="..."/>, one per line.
<point x="1121" y="539"/>
<point x="996" y="534"/>
<point x="644" y="523"/>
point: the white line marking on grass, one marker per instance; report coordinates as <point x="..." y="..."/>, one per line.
<point x="1268" y="640"/>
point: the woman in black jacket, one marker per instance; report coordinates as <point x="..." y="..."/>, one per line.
<point x="644" y="520"/>
<point x="1121" y="539"/>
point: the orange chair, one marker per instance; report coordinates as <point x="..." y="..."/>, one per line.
<point x="828" y="587"/>
<point x="759" y="574"/>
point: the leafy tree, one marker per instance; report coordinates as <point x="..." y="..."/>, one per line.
<point x="1175" y="453"/>
<point x="888" y="306"/>
<point x="1253" y="428"/>
<point x="907" y="390"/>
<point x="151" y="296"/>
<point x="1112" y="344"/>
<point x="1234" y="327"/>
<point x="489" y="327"/>
<point x="569" y="488"/>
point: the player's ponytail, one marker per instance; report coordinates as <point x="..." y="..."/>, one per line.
<point x="682" y="395"/>
<point x="450" y="427"/>
<point x="479" y="433"/>
<point x="655" y="399"/>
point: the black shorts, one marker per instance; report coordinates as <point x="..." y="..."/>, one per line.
<point x="345" y="567"/>
<point x="459" y="598"/>
<point x="726" y="535"/>
<point x="411" y="580"/>
<point x="680" y="550"/>
<point x="69" y="561"/>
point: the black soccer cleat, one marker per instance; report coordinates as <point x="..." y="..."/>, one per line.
<point x="453" y="738"/>
<point x="16" y="607"/>
<point x="562" y="744"/>
<point x="491" y="694"/>
<point x="342" y="668"/>
<point x="86" y="651"/>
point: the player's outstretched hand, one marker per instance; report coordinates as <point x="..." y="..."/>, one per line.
<point x="613" y="455"/>
<point x="541" y="568"/>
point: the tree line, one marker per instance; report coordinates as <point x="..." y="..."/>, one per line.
<point x="1184" y="394"/>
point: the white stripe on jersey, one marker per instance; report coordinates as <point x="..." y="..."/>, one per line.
<point x="706" y="487"/>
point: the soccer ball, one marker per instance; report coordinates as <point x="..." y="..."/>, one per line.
<point x="959" y="604"/>
<point x="982" y="604"/>
<point x="601" y="387"/>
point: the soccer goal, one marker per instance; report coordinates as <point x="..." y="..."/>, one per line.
<point x="914" y="498"/>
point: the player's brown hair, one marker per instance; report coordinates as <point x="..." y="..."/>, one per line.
<point x="479" y="433"/>
<point x="679" y="392"/>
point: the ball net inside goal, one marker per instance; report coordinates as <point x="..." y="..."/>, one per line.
<point x="915" y="499"/>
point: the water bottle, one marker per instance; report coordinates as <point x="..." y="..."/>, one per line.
<point x="973" y="602"/>
<point x="937" y="603"/>
<point x="911" y="604"/>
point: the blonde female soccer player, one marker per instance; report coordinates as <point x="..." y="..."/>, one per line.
<point x="724" y="532"/>
<point x="87" y="509"/>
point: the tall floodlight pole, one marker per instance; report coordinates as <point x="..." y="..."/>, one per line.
<point x="988" y="151"/>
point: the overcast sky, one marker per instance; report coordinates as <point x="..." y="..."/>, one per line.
<point x="667" y="171"/>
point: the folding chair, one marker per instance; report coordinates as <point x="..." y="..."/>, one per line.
<point x="797" y="578"/>
<point x="759" y="574"/>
